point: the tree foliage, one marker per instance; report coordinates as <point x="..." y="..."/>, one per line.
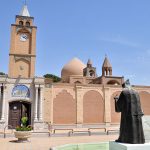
<point x="2" y="73"/>
<point x="53" y="77"/>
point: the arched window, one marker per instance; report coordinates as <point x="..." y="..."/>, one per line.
<point x="92" y="74"/>
<point x="21" y="91"/>
<point x="113" y="82"/>
<point x="21" y="23"/>
<point x="27" y="23"/>
<point x="77" y="82"/>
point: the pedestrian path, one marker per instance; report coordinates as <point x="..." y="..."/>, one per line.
<point x="45" y="143"/>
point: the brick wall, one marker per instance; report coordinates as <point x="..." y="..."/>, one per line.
<point x="93" y="108"/>
<point x="145" y="102"/>
<point x="64" y="109"/>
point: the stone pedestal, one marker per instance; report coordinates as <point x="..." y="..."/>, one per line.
<point x="123" y="146"/>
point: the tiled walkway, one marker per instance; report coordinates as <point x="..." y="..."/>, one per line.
<point x="44" y="143"/>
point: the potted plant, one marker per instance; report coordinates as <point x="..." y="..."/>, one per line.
<point x="23" y="132"/>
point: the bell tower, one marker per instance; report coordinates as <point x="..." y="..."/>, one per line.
<point x="23" y="46"/>
<point x="89" y="71"/>
<point x="106" y="68"/>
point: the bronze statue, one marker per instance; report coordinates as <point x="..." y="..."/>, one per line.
<point x="128" y="103"/>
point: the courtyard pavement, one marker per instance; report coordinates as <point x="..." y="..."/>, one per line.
<point x="45" y="143"/>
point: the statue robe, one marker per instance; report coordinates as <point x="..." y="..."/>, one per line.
<point x="131" y="129"/>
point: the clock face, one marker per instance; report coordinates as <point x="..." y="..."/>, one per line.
<point x="23" y="37"/>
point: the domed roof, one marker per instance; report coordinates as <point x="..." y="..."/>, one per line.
<point x="73" y="67"/>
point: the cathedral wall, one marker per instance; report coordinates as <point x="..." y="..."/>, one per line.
<point x="144" y="92"/>
<point x="111" y="91"/>
<point x="93" y="107"/>
<point x="47" y="103"/>
<point x="115" y="117"/>
<point x="64" y="104"/>
<point x="64" y="108"/>
<point x="145" y="102"/>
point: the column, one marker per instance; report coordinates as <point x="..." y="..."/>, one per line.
<point x="41" y="105"/>
<point x="52" y="100"/>
<point x="3" y="103"/>
<point x="79" y="99"/>
<point x="107" y="105"/>
<point x="36" y="104"/>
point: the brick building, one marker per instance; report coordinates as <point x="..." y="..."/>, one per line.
<point x="80" y="98"/>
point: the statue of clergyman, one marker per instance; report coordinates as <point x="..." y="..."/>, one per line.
<point x="128" y="103"/>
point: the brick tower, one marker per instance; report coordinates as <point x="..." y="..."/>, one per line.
<point x="23" y="46"/>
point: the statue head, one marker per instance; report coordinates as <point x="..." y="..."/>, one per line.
<point x="126" y="84"/>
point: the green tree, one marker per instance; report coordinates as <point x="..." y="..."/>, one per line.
<point x="53" y="77"/>
<point x="2" y="73"/>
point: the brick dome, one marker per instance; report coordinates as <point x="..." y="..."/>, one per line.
<point x="73" y="67"/>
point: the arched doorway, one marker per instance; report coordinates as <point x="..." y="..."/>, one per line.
<point x="17" y="110"/>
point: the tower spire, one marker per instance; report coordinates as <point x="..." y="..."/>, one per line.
<point x="106" y="67"/>
<point x="24" y="11"/>
<point x="25" y="2"/>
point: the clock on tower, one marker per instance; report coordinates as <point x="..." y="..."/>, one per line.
<point x="23" y="44"/>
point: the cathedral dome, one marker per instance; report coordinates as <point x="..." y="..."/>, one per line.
<point x="74" y="67"/>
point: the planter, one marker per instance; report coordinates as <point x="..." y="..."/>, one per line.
<point x="23" y="135"/>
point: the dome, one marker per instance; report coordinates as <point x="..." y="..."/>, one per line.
<point x="74" y="67"/>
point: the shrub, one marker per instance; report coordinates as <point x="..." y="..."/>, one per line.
<point x="19" y="128"/>
<point x="24" y="126"/>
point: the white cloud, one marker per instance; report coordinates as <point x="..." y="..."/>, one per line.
<point x="130" y="76"/>
<point x="119" y="40"/>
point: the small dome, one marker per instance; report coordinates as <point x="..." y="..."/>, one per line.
<point x="74" y="67"/>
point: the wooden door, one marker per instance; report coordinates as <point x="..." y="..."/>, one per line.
<point x="14" y="114"/>
<point x="26" y="112"/>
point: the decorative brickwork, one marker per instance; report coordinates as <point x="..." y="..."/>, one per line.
<point x="93" y="107"/>
<point x="64" y="109"/>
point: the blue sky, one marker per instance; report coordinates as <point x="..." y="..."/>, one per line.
<point x="85" y="29"/>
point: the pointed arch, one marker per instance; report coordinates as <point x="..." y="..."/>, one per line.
<point x="77" y="82"/>
<point x="93" y="107"/>
<point x="64" y="108"/>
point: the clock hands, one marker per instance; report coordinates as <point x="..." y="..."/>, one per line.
<point x="23" y="37"/>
